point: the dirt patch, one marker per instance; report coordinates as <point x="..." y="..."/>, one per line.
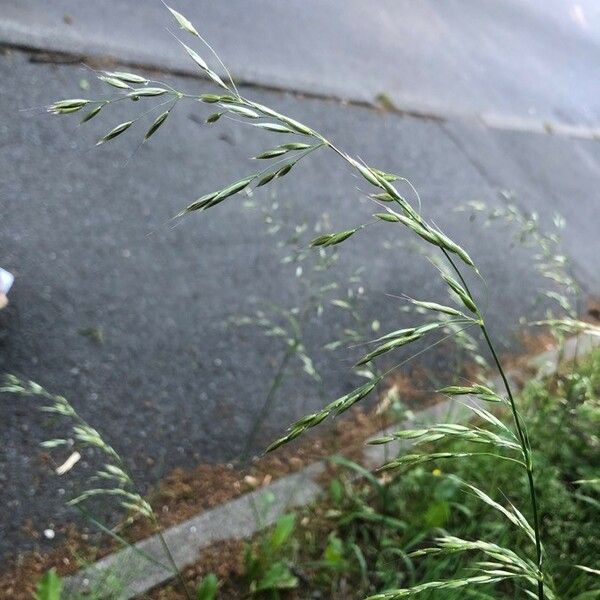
<point x="18" y="582"/>
<point x="224" y="559"/>
<point x="186" y="493"/>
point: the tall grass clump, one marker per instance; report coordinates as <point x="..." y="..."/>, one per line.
<point x="491" y="439"/>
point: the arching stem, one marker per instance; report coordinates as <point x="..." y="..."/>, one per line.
<point x="520" y="431"/>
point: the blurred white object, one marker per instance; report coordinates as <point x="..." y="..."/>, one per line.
<point x="6" y="281"/>
<point x="69" y="463"/>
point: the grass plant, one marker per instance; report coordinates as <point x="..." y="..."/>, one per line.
<point x="522" y="566"/>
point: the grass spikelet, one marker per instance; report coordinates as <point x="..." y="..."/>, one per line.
<point x="113" y="133"/>
<point x="183" y="22"/>
<point x="157" y="123"/>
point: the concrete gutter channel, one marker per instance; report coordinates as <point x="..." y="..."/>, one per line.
<point x="136" y="569"/>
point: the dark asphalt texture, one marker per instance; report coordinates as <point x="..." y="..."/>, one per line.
<point x="87" y="233"/>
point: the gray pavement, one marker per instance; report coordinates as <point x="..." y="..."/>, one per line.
<point x="529" y="58"/>
<point x="87" y="233"/>
<point x="551" y="175"/>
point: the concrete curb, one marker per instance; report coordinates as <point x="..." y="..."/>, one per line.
<point x="540" y="127"/>
<point x="137" y="569"/>
<point x="80" y="51"/>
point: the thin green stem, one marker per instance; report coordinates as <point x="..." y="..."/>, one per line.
<point x="171" y="558"/>
<point x="268" y="403"/>
<point x="520" y="431"/>
<point x="528" y="461"/>
<point x="110" y="532"/>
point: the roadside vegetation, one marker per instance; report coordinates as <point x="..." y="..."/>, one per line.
<point x="367" y="534"/>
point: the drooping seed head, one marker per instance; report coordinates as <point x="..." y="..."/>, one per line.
<point x="331" y="239"/>
<point x="127" y="77"/>
<point x="67" y="106"/>
<point x="113" y="133"/>
<point x="276" y="127"/>
<point x="214" y="117"/>
<point x="241" y="110"/>
<point x="148" y="91"/>
<point x="157" y="123"/>
<point x="196" y="57"/>
<point x="184" y="23"/>
<point x="115" y="82"/>
<point x="91" y="114"/>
